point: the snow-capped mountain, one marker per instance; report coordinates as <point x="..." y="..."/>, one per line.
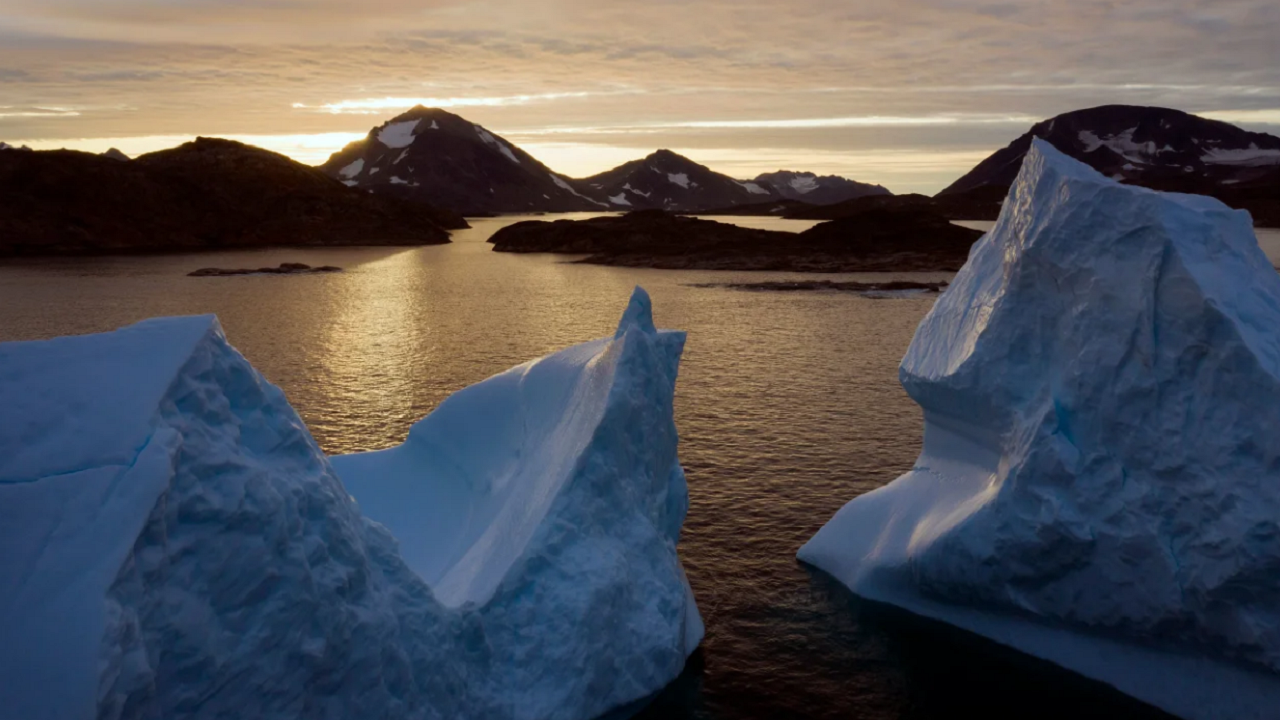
<point x="432" y="155"/>
<point x="673" y="182"/>
<point x="1149" y="146"/>
<point x="817" y="189"/>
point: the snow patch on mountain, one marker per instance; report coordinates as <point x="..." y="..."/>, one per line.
<point x="619" y="199"/>
<point x="398" y="134"/>
<point x="680" y="179"/>
<point x="1122" y="144"/>
<point x="352" y="170"/>
<point x="490" y="140"/>
<point x="752" y="187"/>
<point x="1250" y="156"/>
<point x="804" y="183"/>
<point x="560" y="182"/>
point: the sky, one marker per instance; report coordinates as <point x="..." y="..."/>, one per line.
<point x="909" y="94"/>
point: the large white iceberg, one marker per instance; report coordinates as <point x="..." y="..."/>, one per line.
<point x="176" y="545"/>
<point x="1100" y="478"/>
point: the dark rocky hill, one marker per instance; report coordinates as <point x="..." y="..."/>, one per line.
<point x="437" y="157"/>
<point x="878" y="240"/>
<point x="1153" y="147"/>
<point x="205" y="194"/>
<point x="817" y="189"/>
<point x="668" y="181"/>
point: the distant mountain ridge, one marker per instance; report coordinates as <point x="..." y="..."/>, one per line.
<point x="669" y="181"/>
<point x="817" y="189"/>
<point x="203" y="195"/>
<point x="435" y="156"/>
<point x="1154" y="147"/>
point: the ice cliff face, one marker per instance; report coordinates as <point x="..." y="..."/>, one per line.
<point x="1102" y="451"/>
<point x="549" y="500"/>
<point x="178" y="546"/>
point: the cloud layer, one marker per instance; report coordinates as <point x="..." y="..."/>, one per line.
<point x="839" y="83"/>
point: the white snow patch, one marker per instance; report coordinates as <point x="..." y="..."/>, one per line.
<point x="804" y="183"/>
<point x="351" y="183"/>
<point x="400" y="157"/>
<point x="1251" y="156"/>
<point x="400" y="181"/>
<point x="753" y="188"/>
<point x="494" y="142"/>
<point x="1082" y="487"/>
<point x="434" y="126"/>
<point x="641" y="193"/>
<point x="1121" y="144"/>
<point x="680" y="179"/>
<point x="566" y="186"/>
<point x="398" y="135"/>
<point x="352" y="170"/>
<point x="619" y="199"/>
<point x="374" y="170"/>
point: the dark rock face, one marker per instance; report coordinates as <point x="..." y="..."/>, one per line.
<point x="1153" y="147"/>
<point x="978" y="204"/>
<point x="281" y="269"/>
<point x="435" y="156"/>
<point x="206" y="194"/>
<point x="874" y="241"/>
<point x="771" y="208"/>
<point x="667" y="181"/>
<point x="817" y="189"/>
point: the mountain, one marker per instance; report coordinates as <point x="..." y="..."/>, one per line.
<point x="981" y="203"/>
<point x="438" y="157"/>
<point x="206" y="194"/>
<point x="667" y="181"/>
<point x="1153" y="147"/>
<point x="115" y="154"/>
<point x="817" y="189"/>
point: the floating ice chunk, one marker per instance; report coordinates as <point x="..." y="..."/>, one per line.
<point x="177" y="546"/>
<point x="1100" y="478"/>
<point x="398" y="134"/>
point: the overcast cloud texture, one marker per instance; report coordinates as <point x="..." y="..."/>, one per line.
<point x="909" y="93"/>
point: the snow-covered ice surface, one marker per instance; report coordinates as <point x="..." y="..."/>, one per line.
<point x="1100" y="478"/>
<point x="176" y="544"/>
<point x="398" y="134"/>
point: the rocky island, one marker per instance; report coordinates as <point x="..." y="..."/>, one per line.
<point x="208" y="194"/>
<point x="873" y="241"/>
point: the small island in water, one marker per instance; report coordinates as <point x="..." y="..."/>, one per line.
<point x="877" y="240"/>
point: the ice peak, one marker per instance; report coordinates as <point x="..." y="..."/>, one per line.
<point x="639" y="314"/>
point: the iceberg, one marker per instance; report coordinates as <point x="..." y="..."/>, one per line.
<point x="177" y="545"/>
<point x="1099" y="483"/>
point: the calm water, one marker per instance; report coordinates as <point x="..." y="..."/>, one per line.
<point x="788" y="406"/>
